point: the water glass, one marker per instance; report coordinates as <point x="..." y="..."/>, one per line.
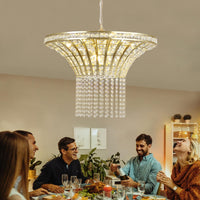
<point x="129" y="190"/>
<point x="141" y="187"/>
<point x="120" y="193"/>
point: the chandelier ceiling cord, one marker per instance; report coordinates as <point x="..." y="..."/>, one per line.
<point x="100" y="60"/>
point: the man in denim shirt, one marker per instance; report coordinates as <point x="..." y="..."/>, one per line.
<point x="143" y="167"/>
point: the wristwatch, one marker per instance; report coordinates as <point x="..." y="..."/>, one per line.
<point x="175" y="188"/>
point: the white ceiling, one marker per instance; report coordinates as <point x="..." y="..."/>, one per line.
<point x="173" y="64"/>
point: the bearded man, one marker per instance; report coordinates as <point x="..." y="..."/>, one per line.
<point x="143" y="167"/>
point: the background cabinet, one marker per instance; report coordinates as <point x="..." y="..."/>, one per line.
<point x="174" y="132"/>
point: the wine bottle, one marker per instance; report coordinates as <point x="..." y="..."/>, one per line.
<point x="122" y="175"/>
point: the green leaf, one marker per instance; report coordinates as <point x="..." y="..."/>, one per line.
<point x="33" y="160"/>
<point x="83" y="157"/>
<point x="93" y="150"/>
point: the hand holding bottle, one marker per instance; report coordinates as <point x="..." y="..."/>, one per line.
<point x="114" y="167"/>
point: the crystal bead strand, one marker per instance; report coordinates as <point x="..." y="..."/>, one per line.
<point x="106" y="98"/>
<point x="78" y="93"/>
<point x="91" y="96"/>
<point x="95" y="99"/>
<point x="121" y="97"/>
<point x="111" y="97"/>
<point x="101" y="97"/>
<point x="124" y="98"/>
<point x="87" y="97"/>
<point x="83" y="100"/>
<point x="116" y="98"/>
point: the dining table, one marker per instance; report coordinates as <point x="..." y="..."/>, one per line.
<point x="128" y="197"/>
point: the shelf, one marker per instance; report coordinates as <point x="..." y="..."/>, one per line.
<point x="184" y="124"/>
<point x="174" y="132"/>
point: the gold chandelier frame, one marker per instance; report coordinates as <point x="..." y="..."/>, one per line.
<point x="100" y="60"/>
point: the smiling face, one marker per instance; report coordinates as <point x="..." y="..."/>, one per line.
<point x="32" y="145"/>
<point x="70" y="154"/>
<point x="183" y="146"/>
<point x="142" y="148"/>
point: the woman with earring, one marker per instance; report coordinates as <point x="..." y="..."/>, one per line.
<point x="184" y="183"/>
<point x="14" y="161"/>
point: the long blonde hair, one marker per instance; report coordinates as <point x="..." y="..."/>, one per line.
<point x="193" y="156"/>
<point x="14" y="161"/>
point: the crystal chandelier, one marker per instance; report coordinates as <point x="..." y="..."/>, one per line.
<point x="100" y="60"/>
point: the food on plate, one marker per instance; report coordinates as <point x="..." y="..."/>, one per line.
<point x="95" y="187"/>
<point x="152" y="198"/>
<point x="53" y="188"/>
<point x="53" y="197"/>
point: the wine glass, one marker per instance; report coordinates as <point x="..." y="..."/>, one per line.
<point x="141" y="187"/>
<point x="65" y="180"/>
<point x="73" y="181"/>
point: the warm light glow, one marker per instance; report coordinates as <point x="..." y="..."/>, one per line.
<point x="100" y="61"/>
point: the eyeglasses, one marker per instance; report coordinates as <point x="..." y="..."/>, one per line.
<point x="74" y="149"/>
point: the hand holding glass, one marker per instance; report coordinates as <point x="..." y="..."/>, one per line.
<point x="141" y="187"/>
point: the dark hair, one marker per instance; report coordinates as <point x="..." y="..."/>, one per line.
<point x="146" y="138"/>
<point x="24" y="133"/>
<point x="62" y="144"/>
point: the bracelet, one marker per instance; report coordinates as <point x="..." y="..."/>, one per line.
<point x="175" y="188"/>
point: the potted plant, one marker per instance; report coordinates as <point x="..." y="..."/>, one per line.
<point x="177" y="118"/>
<point x="187" y="118"/>
<point x="115" y="159"/>
<point x="32" y="170"/>
<point x="91" y="164"/>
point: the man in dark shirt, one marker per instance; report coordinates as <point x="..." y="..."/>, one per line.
<point x="67" y="163"/>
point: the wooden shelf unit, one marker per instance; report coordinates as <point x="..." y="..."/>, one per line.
<point x="173" y="132"/>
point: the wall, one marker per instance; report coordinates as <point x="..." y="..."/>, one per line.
<point x="46" y="108"/>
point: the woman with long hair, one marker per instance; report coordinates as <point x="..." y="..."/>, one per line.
<point x="14" y="162"/>
<point x="184" y="183"/>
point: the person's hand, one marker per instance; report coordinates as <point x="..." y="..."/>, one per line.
<point x="162" y="178"/>
<point x="53" y="188"/>
<point x="114" y="167"/>
<point x="38" y="192"/>
<point x="129" y="183"/>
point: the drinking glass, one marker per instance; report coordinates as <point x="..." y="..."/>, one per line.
<point x="141" y="187"/>
<point x="96" y="177"/>
<point x="65" y="180"/>
<point x="79" y="182"/>
<point x="120" y="193"/>
<point x="73" y="181"/>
